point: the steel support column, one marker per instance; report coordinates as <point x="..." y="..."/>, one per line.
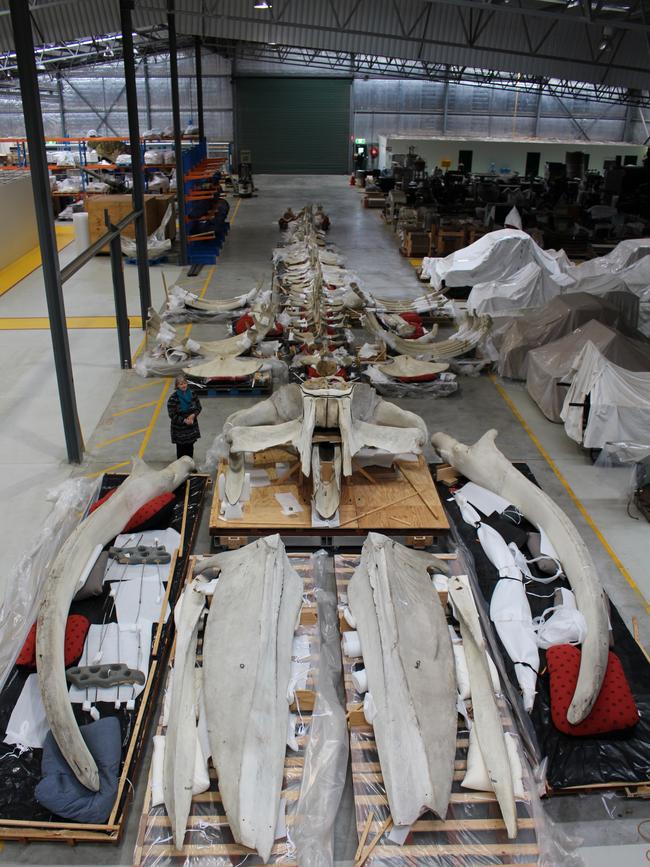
<point x="147" y="92"/>
<point x="126" y="23"/>
<point x="176" y="114"/>
<point x="24" y="46"/>
<point x="538" y="111"/>
<point x="59" y="90"/>
<point x="199" y="85"/>
<point x="119" y="295"/>
<point x="445" y="108"/>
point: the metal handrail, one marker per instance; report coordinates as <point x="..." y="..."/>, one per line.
<point x="83" y="258"/>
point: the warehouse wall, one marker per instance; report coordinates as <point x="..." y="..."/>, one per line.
<point x="17" y="219"/>
<point x="502" y="155"/>
<point x="93" y="99"/>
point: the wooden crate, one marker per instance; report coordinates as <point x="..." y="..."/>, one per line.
<point x="450" y="240"/>
<point x="473" y="832"/>
<point x="119" y="206"/>
<point x="111" y="831"/>
<point x="400" y="500"/>
<point x="209" y="837"/>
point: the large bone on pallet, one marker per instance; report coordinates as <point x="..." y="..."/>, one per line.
<point x="246" y="670"/>
<point x="409" y="663"/>
<point x="484" y="464"/>
<point x="60" y="587"/>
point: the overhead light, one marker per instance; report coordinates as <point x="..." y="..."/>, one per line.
<point x="262" y="4"/>
<point x="108" y="52"/>
<point x="572" y="4"/>
<point x="606" y="41"/>
<point x="272" y="43"/>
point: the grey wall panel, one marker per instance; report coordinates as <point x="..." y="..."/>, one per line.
<point x="294" y="125"/>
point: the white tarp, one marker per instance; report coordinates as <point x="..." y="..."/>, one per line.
<point x="509" y="274"/>
<point x="619" y="399"/>
<point x="496" y="256"/>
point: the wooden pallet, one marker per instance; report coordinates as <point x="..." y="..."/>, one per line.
<point x="400" y="500"/>
<point x="473" y="831"/>
<point x="111" y="831"/>
<point x="209" y="838"/>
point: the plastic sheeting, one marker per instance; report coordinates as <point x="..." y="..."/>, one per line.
<point x="549" y="366"/>
<point x="496" y="256"/>
<point x="24" y="585"/>
<point x="326" y="758"/>
<point x="313" y="774"/>
<point x="618" y="402"/>
<point x="557" y="318"/>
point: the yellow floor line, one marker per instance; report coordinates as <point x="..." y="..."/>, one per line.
<point x="145" y="385"/>
<point x="125" y="436"/>
<point x="585" y="514"/>
<point x="42" y="323"/>
<point x="107" y="470"/>
<point x="138" y="351"/>
<point x="234" y="213"/>
<point x="30" y="261"/>
<point x="415" y="262"/>
<point x="133" y="408"/>
<point x="154" y="418"/>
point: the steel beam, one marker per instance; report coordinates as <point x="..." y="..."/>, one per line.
<point x="178" y="145"/>
<point x="24" y="44"/>
<point x="147" y="93"/>
<point x="126" y="7"/>
<point x="538" y="111"/>
<point x="119" y="295"/>
<point x="445" y="108"/>
<point x="59" y="89"/>
<point x="199" y="85"/>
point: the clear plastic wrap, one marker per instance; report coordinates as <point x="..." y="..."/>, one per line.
<point x="326" y="758"/>
<point x="443" y="386"/>
<point x="25" y="583"/>
<point x="473" y="826"/>
<point x="208" y="840"/>
<point x="218" y="451"/>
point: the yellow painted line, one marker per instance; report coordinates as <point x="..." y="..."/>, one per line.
<point x="107" y="470"/>
<point x="42" y="323"/>
<point x="133" y="409"/>
<point x="234" y="213"/>
<point x="154" y="418"/>
<point x="140" y="348"/>
<point x="30" y="261"/>
<point x="145" y="385"/>
<point x="585" y="514"/>
<point x="125" y="436"/>
<point x="415" y="262"/>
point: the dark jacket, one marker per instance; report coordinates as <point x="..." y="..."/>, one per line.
<point x="183" y="433"/>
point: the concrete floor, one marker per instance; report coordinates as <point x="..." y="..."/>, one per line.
<point x="122" y="415"/>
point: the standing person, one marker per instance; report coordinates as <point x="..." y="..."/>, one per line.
<point x="183" y="407"/>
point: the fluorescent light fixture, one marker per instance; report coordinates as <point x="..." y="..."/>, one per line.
<point x="262" y="4"/>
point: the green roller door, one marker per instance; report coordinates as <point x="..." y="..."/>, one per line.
<point x="294" y="125"/>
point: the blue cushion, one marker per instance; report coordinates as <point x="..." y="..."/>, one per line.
<point x="62" y="793"/>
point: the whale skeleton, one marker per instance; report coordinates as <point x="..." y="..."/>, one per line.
<point x="61" y="585"/>
<point x="484" y="464"/>
<point x="408" y="658"/>
<point x="246" y="672"/>
<point x="487" y="722"/>
<point x="294" y="412"/>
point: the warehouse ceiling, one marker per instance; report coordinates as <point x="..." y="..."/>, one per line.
<point x="602" y="42"/>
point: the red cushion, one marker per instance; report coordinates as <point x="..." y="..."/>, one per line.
<point x="414" y="320"/>
<point x="412" y="317"/>
<point x="615" y="708"/>
<point x="75" y="635"/>
<point x="276" y="331"/>
<point x="425" y="377"/>
<point x="144" y="515"/>
<point x="244" y="323"/>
